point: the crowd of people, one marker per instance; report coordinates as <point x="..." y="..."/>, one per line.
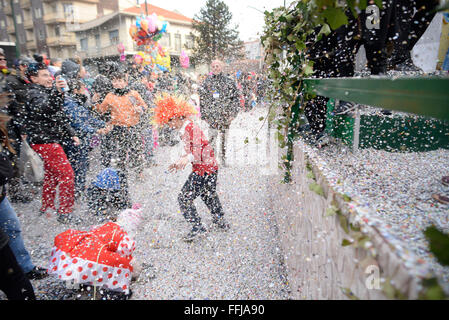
<point x="59" y="111"/>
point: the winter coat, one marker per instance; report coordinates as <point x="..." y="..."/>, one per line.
<point x="219" y="101"/>
<point x="46" y="121"/>
<point x="125" y="109"/>
<point x="81" y="119"/>
<point x="196" y="146"/>
<point x="16" y="108"/>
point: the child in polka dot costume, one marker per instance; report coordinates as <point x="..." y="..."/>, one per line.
<point x="101" y="256"/>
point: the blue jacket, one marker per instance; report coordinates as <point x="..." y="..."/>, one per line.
<point x="81" y="119"/>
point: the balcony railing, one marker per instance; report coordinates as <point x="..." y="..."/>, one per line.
<point x="7" y="9"/>
<point x="24" y="4"/>
<point x="11" y="29"/>
<point x="99" y="52"/>
<point x="65" y="40"/>
<point x="28" y="24"/>
<point x="31" y="44"/>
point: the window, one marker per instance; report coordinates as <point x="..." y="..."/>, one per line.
<point x="165" y="40"/>
<point x="177" y="42"/>
<point x="83" y="43"/>
<point x="38" y="13"/>
<point x="68" y="9"/>
<point x="113" y="37"/>
<point x="57" y="31"/>
<point x="41" y="34"/>
<point x="189" y="42"/>
<point x="2" y="23"/>
<point x="18" y="19"/>
<point x="97" y="41"/>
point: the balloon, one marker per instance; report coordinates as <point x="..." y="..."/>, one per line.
<point x="121" y="48"/>
<point x="144" y="25"/>
<point x="164" y="26"/>
<point x="138" y="57"/>
<point x="133" y="31"/>
<point x="159" y="23"/>
<point x="184" y="59"/>
<point x="152" y="23"/>
<point x="148" y="29"/>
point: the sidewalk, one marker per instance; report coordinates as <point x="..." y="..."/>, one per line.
<point x="243" y="263"/>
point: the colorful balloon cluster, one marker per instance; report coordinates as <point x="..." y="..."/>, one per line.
<point x="148" y="29"/>
<point x="154" y="56"/>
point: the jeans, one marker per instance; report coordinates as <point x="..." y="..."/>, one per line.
<point x="11" y="226"/>
<point x="13" y="282"/>
<point x="79" y="159"/>
<point x="204" y="187"/>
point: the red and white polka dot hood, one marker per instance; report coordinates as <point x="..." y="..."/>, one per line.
<point x="101" y="256"/>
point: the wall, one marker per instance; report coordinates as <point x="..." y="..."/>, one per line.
<point x="318" y="266"/>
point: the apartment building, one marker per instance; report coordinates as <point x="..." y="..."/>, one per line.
<point x="100" y="37"/>
<point x="45" y="26"/>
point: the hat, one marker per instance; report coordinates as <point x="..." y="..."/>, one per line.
<point x="170" y="106"/>
<point x="34" y="67"/>
<point x="130" y="219"/>
<point x="70" y="69"/>
<point x="108" y="179"/>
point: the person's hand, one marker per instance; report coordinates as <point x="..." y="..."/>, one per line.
<point x="179" y="165"/>
<point x="106" y="129"/>
<point x="95" y="97"/>
<point x="60" y="84"/>
<point x="76" y="141"/>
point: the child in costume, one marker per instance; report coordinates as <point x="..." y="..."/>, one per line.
<point x="202" y="182"/>
<point x="108" y="192"/>
<point x="101" y="256"/>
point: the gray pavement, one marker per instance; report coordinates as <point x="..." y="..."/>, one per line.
<point x="242" y="263"/>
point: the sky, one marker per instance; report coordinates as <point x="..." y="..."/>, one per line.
<point x="248" y="14"/>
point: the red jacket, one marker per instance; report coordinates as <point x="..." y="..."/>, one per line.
<point x="196" y="145"/>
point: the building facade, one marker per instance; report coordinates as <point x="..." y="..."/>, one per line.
<point x="45" y="26"/>
<point x="99" y="38"/>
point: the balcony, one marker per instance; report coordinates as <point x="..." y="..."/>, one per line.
<point x="65" y="40"/>
<point x="28" y="24"/>
<point x="55" y="17"/>
<point x="62" y="17"/>
<point x="31" y="44"/>
<point x="11" y="29"/>
<point x="7" y="9"/>
<point x="25" y="4"/>
<point x="110" y="50"/>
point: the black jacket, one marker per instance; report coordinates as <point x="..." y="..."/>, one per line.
<point x="45" y="120"/>
<point x="16" y="108"/>
<point x="219" y="101"/>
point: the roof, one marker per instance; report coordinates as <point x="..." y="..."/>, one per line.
<point x="167" y="14"/>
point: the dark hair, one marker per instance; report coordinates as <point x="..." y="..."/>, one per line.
<point x="33" y="69"/>
<point x="118" y="75"/>
<point x="75" y="84"/>
<point x="4" y="138"/>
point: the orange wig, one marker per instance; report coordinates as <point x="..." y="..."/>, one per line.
<point x="169" y="107"/>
